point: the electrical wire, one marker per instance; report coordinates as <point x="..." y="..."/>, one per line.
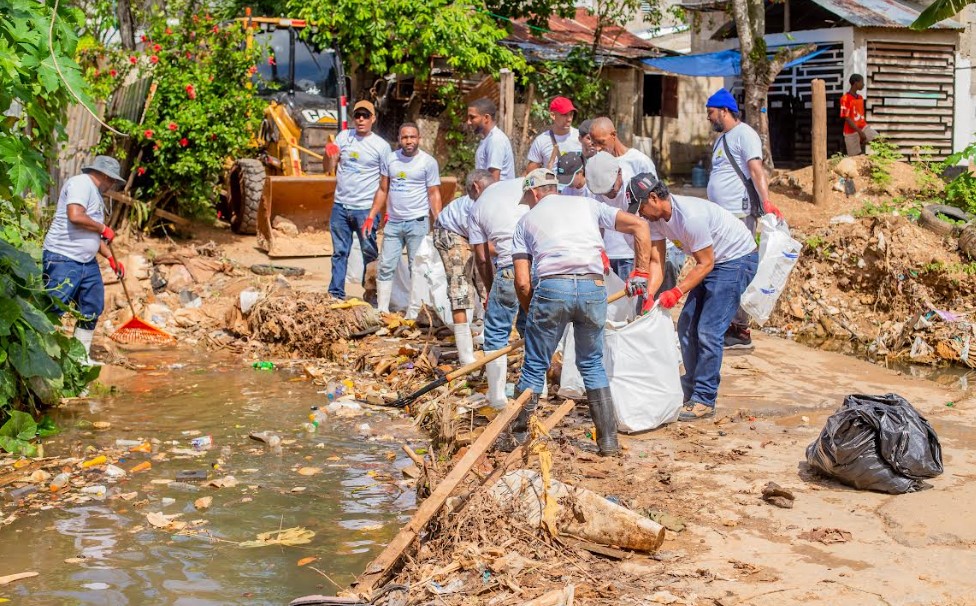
<point x="54" y="59"/>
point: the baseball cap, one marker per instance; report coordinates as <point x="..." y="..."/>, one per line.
<point x="561" y="105"/>
<point x="639" y="189"/>
<point x="567" y="166"/>
<point x="364" y="104"/>
<point x="584" y="127"/>
<point x="538" y="178"/>
<point x="601" y="172"/>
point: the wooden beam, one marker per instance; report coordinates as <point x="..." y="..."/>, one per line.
<point x="819" y="143"/>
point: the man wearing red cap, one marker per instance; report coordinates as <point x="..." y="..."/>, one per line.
<point x="558" y="139"/>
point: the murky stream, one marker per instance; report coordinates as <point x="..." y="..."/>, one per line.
<point x="354" y="505"/>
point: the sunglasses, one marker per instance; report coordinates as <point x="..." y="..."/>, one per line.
<point x="362" y="115"/>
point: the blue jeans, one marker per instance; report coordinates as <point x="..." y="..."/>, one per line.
<point x="72" y="282"/>
<point x="396" y="235"/>
<point x="622" y="267"/>
<point x="704" y="319"/>
<point x="343" y="224"/>
<point x="503" y="308"/>
<point x="557" y="302"/>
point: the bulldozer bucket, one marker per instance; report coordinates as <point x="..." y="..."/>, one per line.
<point x="306" y="202"/>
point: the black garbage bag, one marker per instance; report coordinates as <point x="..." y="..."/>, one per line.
<point x="877" y="443"/>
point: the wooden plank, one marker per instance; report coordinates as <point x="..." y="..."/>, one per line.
<point x="164" y="214"/>
<point x="820" y="174"/>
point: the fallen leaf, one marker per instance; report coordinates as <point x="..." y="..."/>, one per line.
<point x="288" y="536"/>
<point x="203" y="502"/>
<point x="164" y="521"/>
<point x="307" y="560"/>
<point x="100" y="425"/>
<point x="10" y="578"/>
<point x="309" y="471"/>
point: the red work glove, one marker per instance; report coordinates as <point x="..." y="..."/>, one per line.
<point x="769" y="207"/>
<point x="647" y="306"/>
<point x="332" y="150"/>
<point x="386" y="218"/>
<point x="606" y="262"/>
<point x="368" y="226"/>
<point x="669" y="298"/>
<point x="116" y="267"/>
<point x="108" y="234"/>
<point x="636" y="283"/>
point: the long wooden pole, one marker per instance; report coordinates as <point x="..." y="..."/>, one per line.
<point x="820" y="176"/>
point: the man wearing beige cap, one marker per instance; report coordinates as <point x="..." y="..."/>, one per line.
<point x="355" y="157"/>
<point x="560" y="138"/>
<point x="78" y="232"/>
<point x="559" y="241"/>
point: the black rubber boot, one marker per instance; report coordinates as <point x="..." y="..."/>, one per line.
<point x="605" y="418"/>
<point x="518" y="433"/>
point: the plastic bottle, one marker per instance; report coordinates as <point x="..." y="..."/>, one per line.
<point x="317" y="416"/>
<point x="310" y="427"/>
<point x="202" y="443"/>
<point x="330" y="391"/>
<point x="99" y="460"/>
<point x="97" y="491"/>
<point x="60" y="481"/>
<point x="145" y="465"/>
<point x="127" y="443"/>
<point x="263" y="365"/>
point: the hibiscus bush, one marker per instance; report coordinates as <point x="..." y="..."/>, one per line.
<point x="203" y="113"/>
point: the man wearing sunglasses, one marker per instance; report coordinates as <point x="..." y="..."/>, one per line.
<point x="355" y="157"/>
<point x="726" y="260"/>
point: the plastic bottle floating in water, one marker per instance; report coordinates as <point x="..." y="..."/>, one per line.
<point x="263" y="365"/>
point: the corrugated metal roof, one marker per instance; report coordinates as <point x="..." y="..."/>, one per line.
<point x="563" y="34"/>
<point x="879" y="13"/>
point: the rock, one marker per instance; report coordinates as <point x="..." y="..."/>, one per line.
<point x="846" y="168"/>
<point x="203" y="503"/>
<point x="285" y="226"/>
<point x="774" y="494"/>
<point x="178" y="278"/>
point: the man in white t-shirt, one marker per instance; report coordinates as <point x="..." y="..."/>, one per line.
<point x="451" y="232"/>
<point x="77" y="234"/>
<point x="725" y="262"/>
<point x="410" y="191"/>
<point x="492" y="224"/>
<point x="607" y="180"/>
<point x="494" y="153"/>
<point x="560" y="138"/>
<point x="355" y="157"/>
<point x="737" y="183"/>
<point x="559" y="241"/>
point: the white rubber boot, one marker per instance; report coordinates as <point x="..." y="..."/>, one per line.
<point x="384" y="289"/>
<point x="497" y="374"/>
<point x="85" y="336"/>
<point x="464" y="342"/>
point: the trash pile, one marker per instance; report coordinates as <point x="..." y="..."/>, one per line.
<point x="888" y="284"/>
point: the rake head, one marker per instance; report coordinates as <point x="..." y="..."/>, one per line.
<point x="138" y="331"/>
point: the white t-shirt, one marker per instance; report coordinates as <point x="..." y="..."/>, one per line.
<point x="697" y="224"/>
<point x="456" y="216"/>
<point x="494" y="217"/>
<point x="632" y="163"/>
<point x="562" y="235"/>
<point x="495" y="151"/>
<point x="64" y="237"/>
<point x="410" y="176"/>
<point x="540" y="151"/>
<point x="358" y="174"/>
<point x="725" y="188"/>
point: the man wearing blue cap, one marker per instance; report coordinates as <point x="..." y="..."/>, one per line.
<point x="737" y="183"/>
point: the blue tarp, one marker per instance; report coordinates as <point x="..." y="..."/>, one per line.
<point x="723" y="63"/>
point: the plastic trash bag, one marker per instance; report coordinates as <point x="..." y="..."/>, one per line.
<point x="778" y="254"/>
<point x="642" y="366"/>
<point x="354" y="264"/>
<point x="428" y="283"/>
<point x="877" y="443"/>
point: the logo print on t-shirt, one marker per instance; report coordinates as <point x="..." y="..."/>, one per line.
<point x="678" y="244"/>
<point x="402" y="175"/>
<point x="354" y="155"/>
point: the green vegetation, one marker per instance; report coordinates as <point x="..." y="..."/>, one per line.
<point x="819" y="245"/>
<point x="908" y="208"/>
<point x="38" y="364"/>
<point x="938" y="267"/>
<point x="961" y="191"/>
<point x="883" y="155"/>
<point x="575" y="77"/>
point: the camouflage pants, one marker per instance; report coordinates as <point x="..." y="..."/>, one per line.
<point x="459" y="267"/>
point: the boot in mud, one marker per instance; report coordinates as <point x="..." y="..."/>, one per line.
<point x="605" y="419"/>
<point x="518" y="433"/>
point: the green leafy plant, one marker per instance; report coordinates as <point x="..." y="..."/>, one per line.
<point x="204" y="111"/>
<point x="20" y="429"/>
<point x="461" y="144"/>
<point x="38" y="363"/>
<point x="577" y="77"/>
<point x="883" y="155"/>
<point x="961" y="191"/>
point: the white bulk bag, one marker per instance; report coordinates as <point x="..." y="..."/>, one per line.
<point x="642" y="366"/>
<point x="778" y="254"/>
<point x="354" y="264"/>
<point x="570" y="380"/>
<point x="429" y="283"/>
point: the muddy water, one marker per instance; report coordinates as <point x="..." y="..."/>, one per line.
<point x="354" y="505"/>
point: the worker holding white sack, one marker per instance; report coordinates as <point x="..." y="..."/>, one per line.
<point x="726" y="260"/>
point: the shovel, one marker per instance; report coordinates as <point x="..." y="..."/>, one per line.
<point x="469" y="368"/>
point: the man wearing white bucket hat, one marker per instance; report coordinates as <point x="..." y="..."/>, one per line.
<point x="77" y="234"/>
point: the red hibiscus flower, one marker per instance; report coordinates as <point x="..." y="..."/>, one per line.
<point x="184" y="142"/>
<point x="253" y="69"/>
<point x="192" y="94"/>
<point x="148" y="134"/>
<point x="113" y="73"/>
<point x="132" y="60"/>
<point x="172" y="126"/>
<point x="157" y="48"/>
<point x="145" y="38"/>
<point x="154" y="59"/>
<point x="141" y="171"/>
<point x="169" y="31"/>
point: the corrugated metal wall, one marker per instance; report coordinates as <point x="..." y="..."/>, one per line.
<point x="83" y="132"/>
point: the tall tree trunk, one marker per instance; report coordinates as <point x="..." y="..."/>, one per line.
<point x="127" y="29"/>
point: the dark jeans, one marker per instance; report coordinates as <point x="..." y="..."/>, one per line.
<point x="343" y="224"/>
<point x="72" y="282"/>
<point x="557" y="302"/>
<point x="622" y="267"/>
<point x="704" y="319"/>
<point x="503" y="308"/>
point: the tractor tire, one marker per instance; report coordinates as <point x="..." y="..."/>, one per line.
<point x="246" y="189"/>
<point x="930" y="219"/>
<point x="967" y="241"/>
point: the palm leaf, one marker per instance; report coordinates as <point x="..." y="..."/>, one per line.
<point x="939" y="11"/>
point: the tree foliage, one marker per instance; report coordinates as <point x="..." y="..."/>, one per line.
<point x="939" y="10"/>
<point x="402" y="36"/>
<point x="38" y="364"/>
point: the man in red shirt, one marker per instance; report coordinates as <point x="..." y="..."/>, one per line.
<point x="857" y="133"/>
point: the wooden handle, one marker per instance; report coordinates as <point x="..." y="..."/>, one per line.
<point x="122" y="282"/>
